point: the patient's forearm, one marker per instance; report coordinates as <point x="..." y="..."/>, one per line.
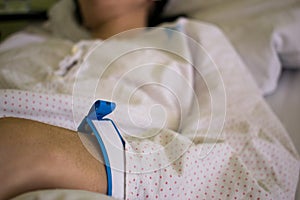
<point x="35" y="156"/>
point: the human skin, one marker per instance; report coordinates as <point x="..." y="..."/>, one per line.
<point x="35" y="155"/>
<point x="105" y="18"/>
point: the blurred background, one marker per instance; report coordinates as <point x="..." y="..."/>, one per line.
<point x="17" y="14"/>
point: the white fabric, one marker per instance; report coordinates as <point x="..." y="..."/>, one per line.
<point x="35" y="69"/>
<point x="19" y="40"/>
<point x="264" y="32"/>
<point x="62" y="195"/>
<point x="253" y="156"/>
<point x="175" y="7"/>
<point x="285" y="102"/>
<point x="62" y="21"/>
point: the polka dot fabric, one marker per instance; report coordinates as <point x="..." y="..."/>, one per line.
<point x="248" y="165"/>
<point x="192" y="178"/>
<point x="50" y="109"/>
<point x="252" y="158"/>
<point x="226" y="172"/>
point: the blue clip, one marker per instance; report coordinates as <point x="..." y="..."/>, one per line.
<point x="100" y="109"/>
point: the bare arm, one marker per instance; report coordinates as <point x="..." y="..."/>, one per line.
<point x="36" y="156"/>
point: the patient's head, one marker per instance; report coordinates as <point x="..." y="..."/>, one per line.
<point x="119" y="14"/>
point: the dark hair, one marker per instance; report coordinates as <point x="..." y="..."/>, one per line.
<point x="155" y="16"/>
<point x="77" y="12"/>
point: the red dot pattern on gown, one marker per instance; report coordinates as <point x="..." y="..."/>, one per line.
<point x="233" y="169"/>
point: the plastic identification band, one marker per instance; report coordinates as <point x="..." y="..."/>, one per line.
<point x="111" y="144"/>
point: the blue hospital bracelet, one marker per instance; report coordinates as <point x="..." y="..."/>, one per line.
<point x="112" y="145"/>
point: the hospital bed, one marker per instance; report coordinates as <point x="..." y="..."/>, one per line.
<point x="256" y="41"/>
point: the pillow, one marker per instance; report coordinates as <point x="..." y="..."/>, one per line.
<point x="62" y="21"/>
<point x="264" y="32"/>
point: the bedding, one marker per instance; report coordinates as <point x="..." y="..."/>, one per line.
<point x="194" y="120"/>
<point x="264" y="33"/>
<point x="273" y="24"/>
<point x="245" y="153"/>
<point x="285" y="102"/>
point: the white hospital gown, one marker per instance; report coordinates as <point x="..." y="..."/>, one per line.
<point x="251" y="158"/>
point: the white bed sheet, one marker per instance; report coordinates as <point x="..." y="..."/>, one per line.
<point x="285" y="102"/>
